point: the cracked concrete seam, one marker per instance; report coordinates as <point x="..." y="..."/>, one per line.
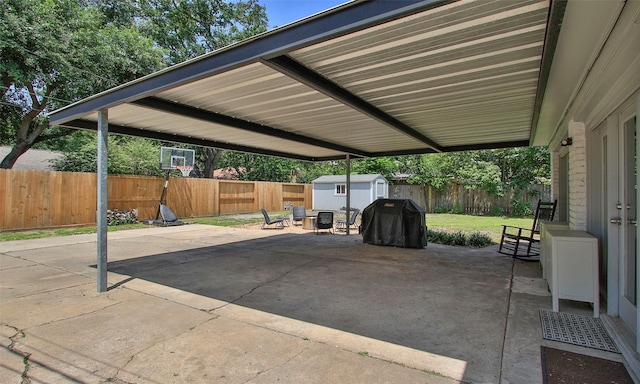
<point x="284" y="363"/>
<point x="234" y="301"/>
<point x="25" y="356"/>
<point x="133" y="356"/>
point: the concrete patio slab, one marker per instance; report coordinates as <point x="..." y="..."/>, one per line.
<point x="208" y="304"/>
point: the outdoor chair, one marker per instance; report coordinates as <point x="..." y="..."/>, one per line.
<point x="324" y="220"/>
<point x="341" y="225"/>
<point x="524" y="243"/>
<point x="298" y="214"/>
<point x="279" y="221"/>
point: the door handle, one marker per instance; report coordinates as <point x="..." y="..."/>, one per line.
<point x="616" y="220"/>
<point x="632" y="221"/>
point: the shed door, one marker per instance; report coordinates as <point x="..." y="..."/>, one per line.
<point x="381" y="189"/>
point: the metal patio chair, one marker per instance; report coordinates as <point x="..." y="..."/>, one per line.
<point x="279" y="221"/>
<point x="298" y="213"/>
<point x="524" y="243"/>
<point x="324" y="220"/>
<point x="341" y="225"/>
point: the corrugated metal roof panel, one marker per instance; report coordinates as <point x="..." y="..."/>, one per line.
<point x="147" y="119"/>
<point x="458" y="58"/>
<point x="370" y="78"/>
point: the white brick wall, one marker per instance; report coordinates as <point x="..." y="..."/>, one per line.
<point x="555" y="175"/>
<point x="578" y="176"/>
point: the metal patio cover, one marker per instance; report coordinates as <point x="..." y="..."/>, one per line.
<point x="365" y="79"/>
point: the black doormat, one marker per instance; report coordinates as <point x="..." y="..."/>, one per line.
<point x="580" y="330"/>
<point x="563" y="367"/>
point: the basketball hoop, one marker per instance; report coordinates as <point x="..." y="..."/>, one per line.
<point x="185" y="169"/>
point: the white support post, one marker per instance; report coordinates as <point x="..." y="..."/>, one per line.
<point x="101" y="214"/>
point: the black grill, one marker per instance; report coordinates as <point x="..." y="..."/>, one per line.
<point x="394" y="222"/>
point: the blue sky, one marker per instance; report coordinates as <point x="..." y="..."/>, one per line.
<point x="281" y="12"/>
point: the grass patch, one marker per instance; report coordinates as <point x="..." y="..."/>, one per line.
<point x="224" y="221"/>
<point x="235" y="220"/>
<point x="468" y="224"/>
<point x="42" y="233"/>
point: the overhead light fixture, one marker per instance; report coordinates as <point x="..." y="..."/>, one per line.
<point x="566" y="142"/>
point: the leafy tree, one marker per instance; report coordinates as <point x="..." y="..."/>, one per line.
<point x="258" y="167"/>
<point x="464" y="168"/>
<point x="306" y="172"/>
<point x="54" y="52"/>
<point x="127" y="156"/>
<point x="190" y="28"/>
<point x="493" y="170"/>
<point x="519" y="167"/>
<point x="386" y="166"/>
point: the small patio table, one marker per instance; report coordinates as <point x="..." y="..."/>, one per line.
<point x="309" y="222"/>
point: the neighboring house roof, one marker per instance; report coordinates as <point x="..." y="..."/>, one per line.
<point x="343" y="179"/>
<point x="228" y="173"/>
<point x="33" y="159"/>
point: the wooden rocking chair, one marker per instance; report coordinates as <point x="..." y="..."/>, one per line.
<point x="524" y="243"/>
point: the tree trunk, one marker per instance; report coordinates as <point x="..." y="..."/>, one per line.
<point x="212" y="155"/>
<point x="10" y="160"/>
<point x="26" y="136"/>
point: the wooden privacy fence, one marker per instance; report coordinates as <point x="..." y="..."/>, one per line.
<point x="38" y="199"/>
<point x="471" y="201"/>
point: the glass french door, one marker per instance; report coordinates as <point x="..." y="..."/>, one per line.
<point x="619" y="145"/>
<point x="628" y="229"/>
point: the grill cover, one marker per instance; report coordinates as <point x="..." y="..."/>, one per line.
<point x="396" y="222"/>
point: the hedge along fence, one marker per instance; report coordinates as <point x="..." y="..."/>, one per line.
<point x="469" y="201"/>
<point x="39" y="199"/>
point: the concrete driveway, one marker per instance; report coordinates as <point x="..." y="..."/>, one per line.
<point x="209" y="304"/>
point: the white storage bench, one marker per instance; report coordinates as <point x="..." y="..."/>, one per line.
<point x="573" y="267"/>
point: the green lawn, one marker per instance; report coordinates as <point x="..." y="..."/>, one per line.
<point x="490" y="225"/>
<point x="226" y="221"/>
<point x="40" y="233"/>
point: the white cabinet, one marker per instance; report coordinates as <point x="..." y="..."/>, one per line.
<point x="545" y="256"/>
<point x="573" y="267"/>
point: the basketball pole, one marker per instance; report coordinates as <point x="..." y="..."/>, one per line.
<point x="164" y="192"/>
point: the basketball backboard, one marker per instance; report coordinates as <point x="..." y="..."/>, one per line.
<point x="172" y="158"/>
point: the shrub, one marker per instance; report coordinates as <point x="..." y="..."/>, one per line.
<point x="479" y="240"/>
<point x="442" y="209"/>
<point x="459" y="238"/>
<point x="458" y="209"/>
<point x="497" y="211"/>
<point x="521" y="208"/>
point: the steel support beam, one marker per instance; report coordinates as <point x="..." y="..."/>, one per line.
<point x="456" y="148"/>
<point x="554" y="25"/>
<point x="218" y="118"/>
<point x="122" y="130"/>
<point x="304" y="75"/>
<point x="101" y="214"/>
